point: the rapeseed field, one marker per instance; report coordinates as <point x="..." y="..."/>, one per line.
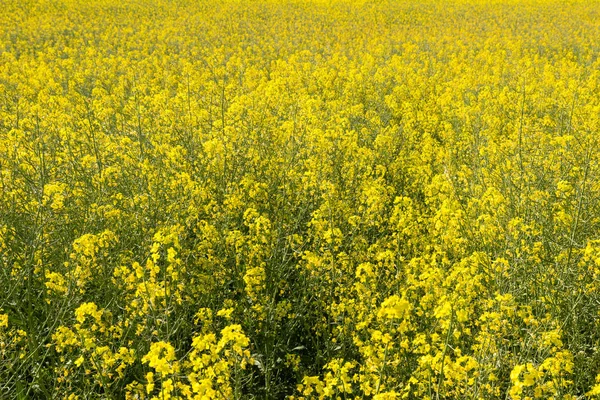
<point x="322" y="199"/>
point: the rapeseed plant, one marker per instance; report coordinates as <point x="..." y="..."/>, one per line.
<point x="307" y="200"/>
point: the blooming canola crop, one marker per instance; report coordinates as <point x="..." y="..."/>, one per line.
<point x="323" y="199"/>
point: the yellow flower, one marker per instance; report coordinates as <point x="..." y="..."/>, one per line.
<point x="161" y="357"/>
<point x="3" y="320"/>
<point x="394" y="307"/>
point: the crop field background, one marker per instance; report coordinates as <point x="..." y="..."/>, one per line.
<point x="299" y="199"/>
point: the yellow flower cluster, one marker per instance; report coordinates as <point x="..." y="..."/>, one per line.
<point x="321" y="199"/>
<point x="13" y="344"/>
<point x="207" y="371"/>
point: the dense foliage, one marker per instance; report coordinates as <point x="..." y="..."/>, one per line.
<point x="323" y="199"/>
